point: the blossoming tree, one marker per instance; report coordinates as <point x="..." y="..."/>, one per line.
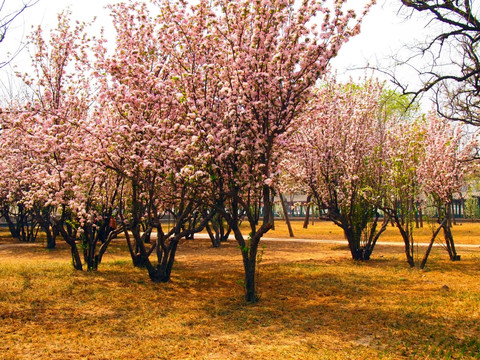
<point x="335" y="155"/>
<point x="442" y="169"/>
<point x="247" y="70"/>
<point x="69" y="193"/>
<point x="147" y="138"/>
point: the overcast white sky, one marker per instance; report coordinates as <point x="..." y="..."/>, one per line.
<point x="384" y="31"/>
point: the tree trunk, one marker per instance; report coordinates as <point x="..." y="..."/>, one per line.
<point x="307" y="214"/>
<point x="162" y="271"/>
<point x="452" y="212"/>
<point x="70" y="240"/>
<point x="14" y="229"/>
<point x="285" y="212"/>
<point x="249" y="264"/>
<point x="374" y="236"/>
<point x="76" y="261"/>
<point x="353" y="243"/>
<point x="272" y="219"/>
<point x="216" y="230"/>
<point x="249" y="248"/>
<point x="213" y="236"/>
<point x="249" y="255"/>
<point x="452" y="252"/>
<point x="406" y="240"/>
<point x="430" y="245"/>
<point x="103" y="248"/>
<point x="51" y="241"/>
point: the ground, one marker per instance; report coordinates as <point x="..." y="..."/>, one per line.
<point x="315" y="303"/>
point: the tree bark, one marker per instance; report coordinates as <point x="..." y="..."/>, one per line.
<point x="70" y="240"/>
<point x="249" y="264"/>
<point x="406" y="239"/>
<point x="14" y="229"/>
<point x="307" y="214"/>
<point x="162" y="271"/>
<point x="430" y="245"/>
<point x="285" y="212"/>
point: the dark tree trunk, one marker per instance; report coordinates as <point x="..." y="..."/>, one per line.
<point x="249" y="265"/>
<point x="249" y="247"/>
<point x="51" y="238"/>
<point x="430" y="245"/>
<point x="26" y="224"/>
<point x="43" y="219"/>
<point x="272" y="219"/>
<point x="162" y="271"/>
<point x="452" y="213"/>
<point x="407" y="241"/>
<point x="98" y="233"/>
<point x="285" y="212"/>
<point x="307" y="214"/>
<point x="76" y="261"/>
<point x="249" y="251"/>
<point x="213" y="236"/>
<point x="70" y="240"/>
<point x="139" y="257"/>
<point x="452" y="252"/>
<point x="216" y="230"/>
<point x="166" y="246"/>
<point x="354" y="251"/>
<point x="353" y="238"/>
<point x="103" y="248"/>
<point x="12" y="226"/>
<point x="374" y="236"/>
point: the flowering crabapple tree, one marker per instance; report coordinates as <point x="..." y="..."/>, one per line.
<point x="70" y="193"/>
<point x="39" y="126"/>
<point x="446" y="160"/>
<point x="425" y="159"/>
<point x="247" y="76"/>
<point x="21" y="221"/>
<point x="400" y="193"/>
<point x="147" y="138"/>
<point x="335" y="154"/>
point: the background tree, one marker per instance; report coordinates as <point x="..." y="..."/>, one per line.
<point x="451" y="67"/>
<point x="8" y="16"/>
<point x="399" y="195"/>
<point x="14" y="167"/>
<point x="442" y="170"/>
<point x="63" y="186"/>
<point x="335" y="155"/>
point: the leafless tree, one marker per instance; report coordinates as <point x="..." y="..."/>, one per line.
<point x="8" y="15"/>
<point x="451" y="61"/>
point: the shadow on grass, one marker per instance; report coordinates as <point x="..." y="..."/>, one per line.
<point x="379" y="308"/>
<point x="394" y="316"/>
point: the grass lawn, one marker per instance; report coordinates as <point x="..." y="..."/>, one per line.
<point x="315" y="303"/>
<point x="463" y="232"/>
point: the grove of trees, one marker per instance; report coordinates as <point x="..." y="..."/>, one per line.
<point x="357" y="163"/>
<point x="201" y="114"/>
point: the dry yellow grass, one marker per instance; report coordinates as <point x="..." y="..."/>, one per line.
<point x="315" y="304"/>
<point x="463" y="232"/>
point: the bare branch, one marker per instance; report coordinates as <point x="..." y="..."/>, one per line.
<point x="7" y="19"/>
<point x="452" y="64"/>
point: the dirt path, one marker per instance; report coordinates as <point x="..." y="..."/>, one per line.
<point x="298" y="240"/>
<point x="16" y="245"/>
